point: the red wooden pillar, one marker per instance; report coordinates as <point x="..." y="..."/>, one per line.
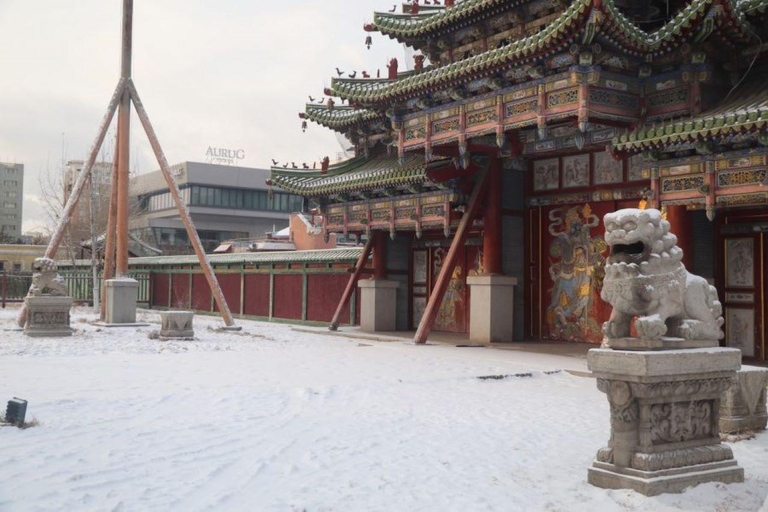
<point x="379" y="254"/>
<point x="492" y="221"/>
<point x="681" y="225"/>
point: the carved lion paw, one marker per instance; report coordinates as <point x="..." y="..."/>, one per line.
<point x="613" y="329"/>
<point x="650" y="328"/>
<point x="687" y="330"/>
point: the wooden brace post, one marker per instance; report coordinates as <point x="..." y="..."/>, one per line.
<point x="69" y="208"/>
<point x="436" y="298"/>
<point x="183" y="211"/>
<point x="349" y="290"/>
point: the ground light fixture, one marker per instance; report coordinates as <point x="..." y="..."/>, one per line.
<point x="16" y="411"/>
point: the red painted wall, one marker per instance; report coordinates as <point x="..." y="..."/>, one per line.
<point x="180" y="291"/>
<point x="230" y="286"/>
<point x="201" y="293"/>
<point x="256" y="301"/>
<point x="159" y="289"/>
<point x="323" y="295"/>
<point x="288" y="295"/>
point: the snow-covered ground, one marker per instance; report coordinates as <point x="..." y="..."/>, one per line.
<point x="271" y="419"/>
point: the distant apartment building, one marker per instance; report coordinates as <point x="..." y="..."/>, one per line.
<point x="225" y="203"/>
<point x="80" y="225"/>
<point x="11" y="200"/>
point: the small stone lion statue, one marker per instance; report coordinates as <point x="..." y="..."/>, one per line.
<point x="645" y="277"/>
<point x="46" y="277"/>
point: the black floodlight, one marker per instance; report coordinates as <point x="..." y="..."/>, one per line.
<point x="16" y="411"/>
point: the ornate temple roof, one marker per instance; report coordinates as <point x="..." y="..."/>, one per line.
<point x="698" y="17"/>
<point x="745" y="110"/>
<point x="337" y="118"/>
<point x="359" y="173"/>
<point x="590" y="18"/>
<point x="429" y="22"/>
<point x="528" y="48"/>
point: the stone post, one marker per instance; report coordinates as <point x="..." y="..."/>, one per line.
<point x="122" y="295"/>
<point x="378" y="312"/>
<point x="491" y="314"/>
<point x="743" y="405"/>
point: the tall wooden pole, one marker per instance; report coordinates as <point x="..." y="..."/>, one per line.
<point x="352" y="282"/>
<point x="446" y="272"/>
<point x="109" y="244"/>
<point x="123" y="144"/>
<point x="182" y="207"/>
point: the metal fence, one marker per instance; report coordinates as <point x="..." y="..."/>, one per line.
<point x="80" y="285"/>
<point x="15" y="285"/>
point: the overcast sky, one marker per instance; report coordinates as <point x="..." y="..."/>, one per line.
<point x="222" y="73"/>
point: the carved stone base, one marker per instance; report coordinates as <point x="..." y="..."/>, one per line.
<point x="651" y="483"/>
<point x="743" y="406"/>
<point x="664" y="343"/>
<point x="665" y="410"/>
<point x="48" y="316"/>
<point x="177" y="324"/>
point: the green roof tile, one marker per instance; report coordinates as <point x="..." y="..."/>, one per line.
<point x="746" y="109"/>
<point x="354" y="175"/>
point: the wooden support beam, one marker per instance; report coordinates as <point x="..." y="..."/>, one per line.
<point x="350" y="289"/>
<point x="182" y="207"/>
<point x="74" y="196"/>
<point x="109" y="244"/>
<point x="436" y="298"/>
<point x="492" y="221"/>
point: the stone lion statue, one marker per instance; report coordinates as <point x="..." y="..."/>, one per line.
<point x="46" y="276"/>
<point x="645" y="277"/>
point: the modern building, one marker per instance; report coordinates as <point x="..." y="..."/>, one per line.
<point x="101" y="173"/>
<point x="485" y="172"/>
<point x="11" y="200"/>
<point x="18" y="257"/>
<point x="225" y="203"/>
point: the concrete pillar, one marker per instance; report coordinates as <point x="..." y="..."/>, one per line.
<point x="122" y="294"/>
<point x="491" y="318"/>
<point x="378" y="311"/>
<point x="491" y="314"/>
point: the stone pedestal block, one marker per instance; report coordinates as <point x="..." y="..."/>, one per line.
<point x="122" y="294"/>
<point x="491" y="318"/>
<point x="48" y="315"/>
<point x="665" y="410"/>
<point x="177" y="324"/>
<point x="743" y="405"/>
<point x="378" y="312"/>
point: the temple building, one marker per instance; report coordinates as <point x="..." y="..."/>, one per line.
<point x="482" y="175"/>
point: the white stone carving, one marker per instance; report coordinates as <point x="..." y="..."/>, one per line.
<point x="645" y="277"/>
<point x="46" y="277"/>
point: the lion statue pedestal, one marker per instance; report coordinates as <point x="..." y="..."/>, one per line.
<point x="47" y="302"/>
<point x="664" y="385"/>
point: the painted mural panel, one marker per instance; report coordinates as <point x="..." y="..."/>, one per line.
<point x="740" y="266"/>
<point x="546" y="174"/>
<point x="576" y="255"/>
<point x="576" y="171"/>
<point x="607" y="169"/>
<point x="452" y="315"/>
<point x="419" y="267"/>
<point x="740" y="329"/>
